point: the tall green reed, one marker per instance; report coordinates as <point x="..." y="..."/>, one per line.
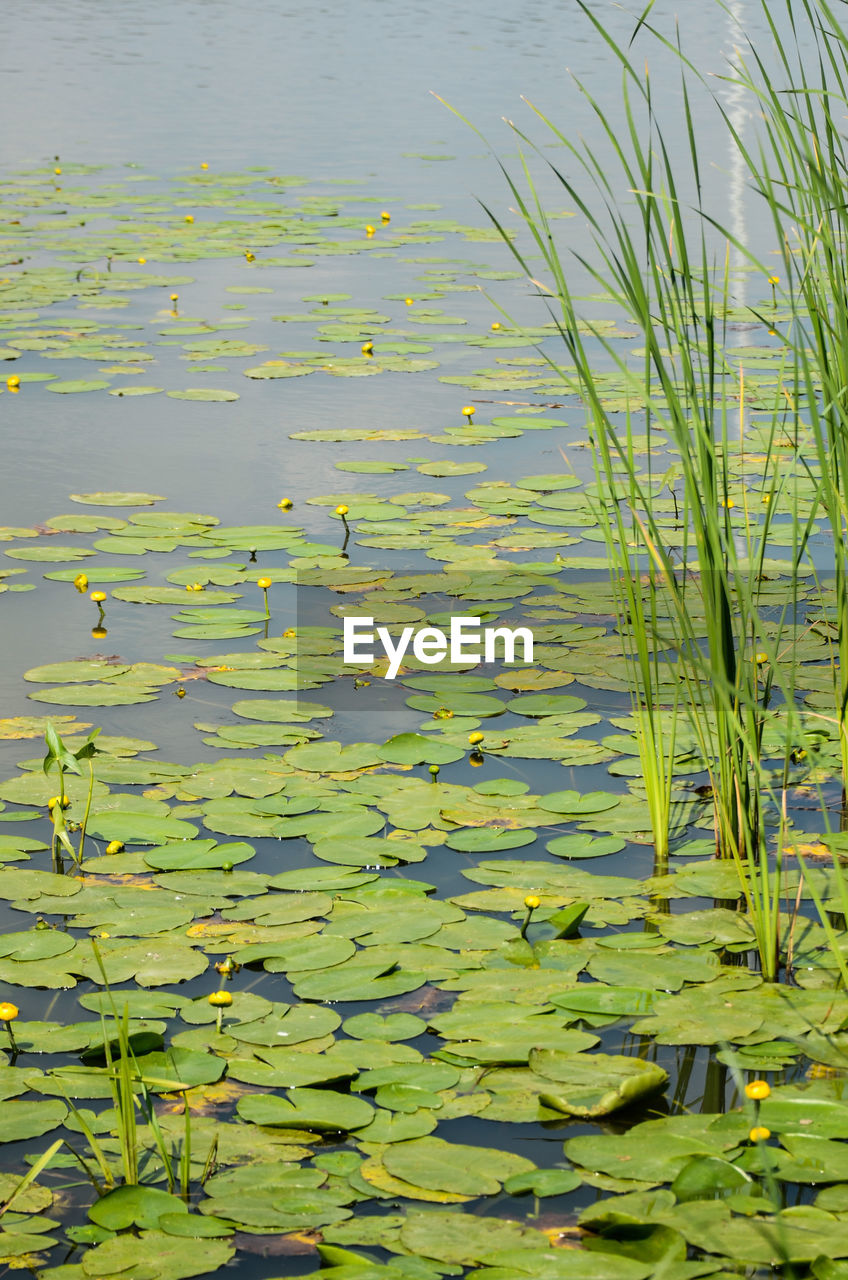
<point x="653" y="258"/>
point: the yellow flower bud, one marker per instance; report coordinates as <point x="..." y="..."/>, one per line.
<point x="189" y="217"/>
<point x="81" y="582"/>
<point x="264" y="583"/>
<point x="386" y="216"/>
<point x="496" y="324"/>
<point x="115" y="846"/>
<point x="13" y="381"/>
<point x="220" y="999"/>
<point x="409" y="301"/>
<point x="759" y="1133"/>
<point x="98" y="596"/>
<point x="341" y="509"/>
<point x="368" y="348"/>
<point x="285" y="504"/>
<point x="475" y="738"/>
<point x="204" y="165"/>
<point x="369" y="231"/>
<point x="757" y="1090"/>
<point x="531" y="902"/>
<point x="141" y="260"/>
<point x="8" y="1011"/>
<point x="469" y="410"/>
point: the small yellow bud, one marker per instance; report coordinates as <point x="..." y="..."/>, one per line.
<point x="141" y="260"/>
<point x="409" y="301"/>
<point x="469" y="410"/>
<point x="81" y="583"/>
<point x="115" y="846"/>
<point x="249" y="257"/>
<point x="759" y="1133"/>
<point x="13" y="381"/>
<point x="774" y="279"/>
<point x="8" y="1011"/>
<point x="220" y="999"/>
<point x="289" y="633"/>
<point x="762" y="659"/>
<point x="179" y="693"/>
<point x="175" y="297"/>
<point x="496" y="324"/>
<point x="757" y="1090"/>
<point x="341" y="510"/>
<point x="98" y="596"/>
<point x="369" y="231"/>
<point x="189" y="217"/>
<point x="531" y="902"/>
<point x="386" y="216"/>
<point x="368" y="348"/>
<point x="285" y="504"/>
<point x="198" y="586"/>
<point x="475" y="738"/>
<point x="204" y="165"/>
<point x="264" y="583"/>
<point x="57" y="171"/>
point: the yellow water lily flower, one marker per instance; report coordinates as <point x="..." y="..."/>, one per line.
<point x="285" y="504"/>
<point x="98" y="596"/>
<point x="220" y="999"/>
<point x="81" y="583"/>
<point x="757" y="1090"/>
<point x="759" y="1133"/>
<point x="115" y="846"/>
<point x="386" y="216"/>
<point x="475" y="738"/>
<point x="264" y="583"/>
<point x="8" y="1011"/>
<point x="368" y="348"/>
<point x="13" y="380"/>
<point x="141" y="260"/>
<point x="369" y="231"/>
<point x="531" y="902"/>
<point x="189" y="217"/>
<point x="341" y="510"/>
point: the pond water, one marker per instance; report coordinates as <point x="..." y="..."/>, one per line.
<point x="265" y="329"/>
